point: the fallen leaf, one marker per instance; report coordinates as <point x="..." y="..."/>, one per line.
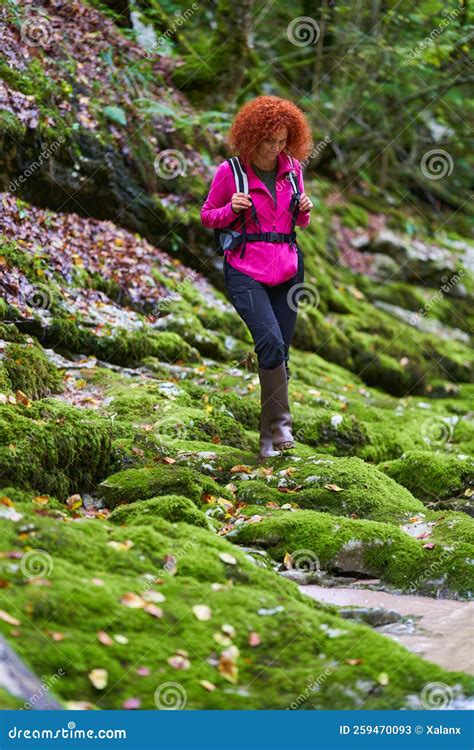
<point x="254" y="639"/>
<point x="154" y="596"/>
<point x="22" y="398"/>
<point x="79" y="706"/>
<point x="152" y="609"/>
<point x="228" y="630"/>
<point x="122" y="639"/>
<point x="202" y="612"/>
<point x="227" y="666"/>
<point x="354" y="662"/>
<point x="143" y="671"/>
<point x="178" y="662"/>
<point x="333" y="487"/>
<point x="131" y="703"/>
<point x="8" y="618"/>
<point x="240" y="469"/>
<point x="105" y="638"/>
<point x="41" y="499"/>
<point x="73" y="502"/>
<point x="207" y="685"/>
<point x="227" y="558"/>
<point x="99" y="678"/>
<point x="132" y="600"/>
<point x="121" y="546"/>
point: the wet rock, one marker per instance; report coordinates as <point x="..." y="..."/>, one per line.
<point x="373" y="616"/>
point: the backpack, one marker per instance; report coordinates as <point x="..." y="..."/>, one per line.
<point x="229" y="238"/>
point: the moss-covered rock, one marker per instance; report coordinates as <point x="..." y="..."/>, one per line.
<point x="344" y="486"/>
<point x="53" y="447"/>
<point x="170" y="507"/>
<point x="29" y="370"/>
<point x="142" y="484"/>
<point x="124" y="348"/>
<point x="361" y="547"/>
<point x="433" y="476"/>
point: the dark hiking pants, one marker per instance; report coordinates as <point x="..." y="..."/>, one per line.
<point x="269" y="312"/>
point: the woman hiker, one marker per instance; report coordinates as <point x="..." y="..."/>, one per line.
<point x="262" y="276"/>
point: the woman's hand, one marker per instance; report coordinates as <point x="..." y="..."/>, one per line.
<point x="240" y="201"/>
<point x="305" y="203"/>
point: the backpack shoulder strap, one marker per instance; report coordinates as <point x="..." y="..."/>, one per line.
<point x="292" y="176"/>
<point x="240" y="175"/>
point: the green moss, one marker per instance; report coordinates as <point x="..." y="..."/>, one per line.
<point x="169" y="507"/>
<point x="53" y="447"/>
<point x="344" y="434"/>
<point x="344" y="486"/>
<point x="352" y="216"/>
<point x="9" y="702"/>
<point x="363" y="547"/>
<point x="142" y="484"/>
<point x="30" y="371"/>
<point x="88" y="577"/>
<point x="432" y="476"/>
<point x="124" y="348"/>
<point x="190" y="329"/>
<point x="5" y="383"/>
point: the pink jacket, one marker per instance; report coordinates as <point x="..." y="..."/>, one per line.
<point x="268" y="262"/>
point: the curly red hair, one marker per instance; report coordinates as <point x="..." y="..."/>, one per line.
<point x="259" y="118"/>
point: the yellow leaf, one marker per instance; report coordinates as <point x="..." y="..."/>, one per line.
<point x="208" y="685"/>
<point x="8" y="618"/>
<point x="99" y="678"/>
<point x="41" y="499"/>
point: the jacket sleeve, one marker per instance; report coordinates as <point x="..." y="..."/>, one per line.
<point x="217" y="212"/>
<point x="303" y="216"/>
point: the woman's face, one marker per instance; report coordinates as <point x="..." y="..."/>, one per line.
<point x="273" y="144"/>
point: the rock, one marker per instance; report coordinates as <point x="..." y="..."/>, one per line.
<point x="373" y="616"/>
<point x="422" y="323"/>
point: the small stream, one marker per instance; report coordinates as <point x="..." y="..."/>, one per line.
<point x="439" y="630"/>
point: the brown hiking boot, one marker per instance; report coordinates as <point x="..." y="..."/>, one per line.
<point x="275" y="409"/>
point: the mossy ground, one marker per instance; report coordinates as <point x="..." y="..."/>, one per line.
<point x="66" y="600"/>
